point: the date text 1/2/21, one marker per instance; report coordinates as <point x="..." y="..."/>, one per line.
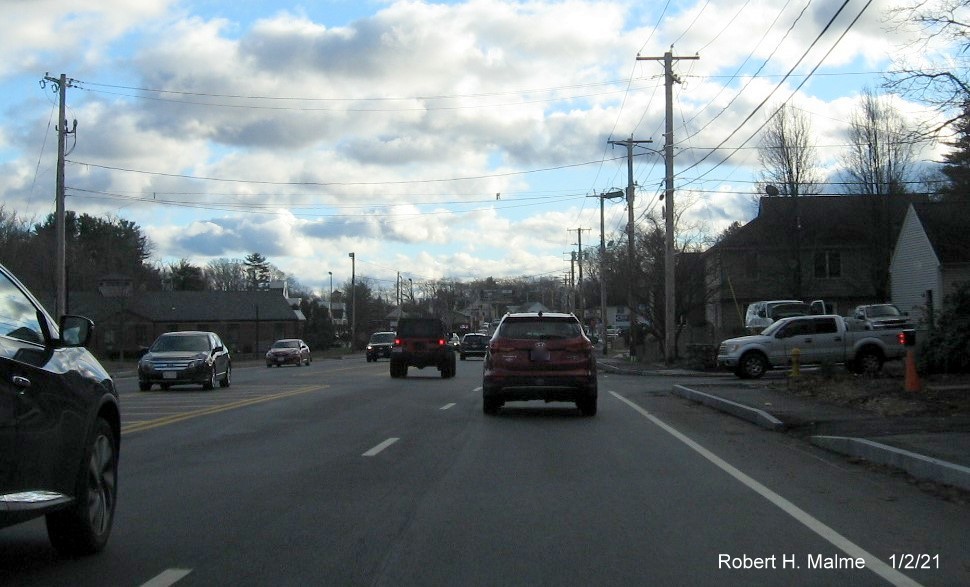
<point x="914" y="561"/>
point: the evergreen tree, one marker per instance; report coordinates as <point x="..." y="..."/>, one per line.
<point x="956" y="163"/>
<point x="257" y="271"/>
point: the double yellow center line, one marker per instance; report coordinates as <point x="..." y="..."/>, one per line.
<point x="158" y="422"/>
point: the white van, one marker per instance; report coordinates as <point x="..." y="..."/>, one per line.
<point x="760" y="315"/>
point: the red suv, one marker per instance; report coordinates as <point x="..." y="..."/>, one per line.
<point x="540" y="356"/>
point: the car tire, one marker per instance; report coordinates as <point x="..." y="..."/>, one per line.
<point x="226" y="380"/>
<point x="84" y="527"/>
<point x="165" y="386"/>
<point x="587" y="406"/>
<point x="752" y="366"/>
<point x="144" y="386"/>
<point x="211" y="383"/>
<point x="463" y="356"/>
<point x="868" y="362"/>
<point x="490" y="406"/>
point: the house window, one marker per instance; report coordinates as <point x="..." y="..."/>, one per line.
<point x="828" y="264"/>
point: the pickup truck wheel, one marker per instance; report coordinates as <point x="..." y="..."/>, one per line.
<point x="752" y="366"/>
<point x="868" y="362"/>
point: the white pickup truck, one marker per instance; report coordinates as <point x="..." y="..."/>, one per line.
<point x="819" y="339"/>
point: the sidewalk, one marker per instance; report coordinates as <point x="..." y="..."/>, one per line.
<point x="932" y="448"/>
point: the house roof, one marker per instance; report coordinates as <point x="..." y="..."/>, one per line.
<point x="834" y="220"/>
<point x="188" y="306"/>
<point x="946" y="225"/>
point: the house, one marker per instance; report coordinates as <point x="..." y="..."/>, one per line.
<point x="835" y="248"/>
<point x="127" y="320"/>
<point x="931" y="256"/>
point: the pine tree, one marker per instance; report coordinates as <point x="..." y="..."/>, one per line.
<point x="956" y="163"/>
<point x="257" y="271"/>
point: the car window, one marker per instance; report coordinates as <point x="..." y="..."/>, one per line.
<point x="382" y="337"/>
<point x="539" y="329"/>
<point x="181" y="344"/>
<point x="826" y="326"/>
<point x="286" y="344"/>
<point x="18" y="316"/>
<point x="420" y="329"/>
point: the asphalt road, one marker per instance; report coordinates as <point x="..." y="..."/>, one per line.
<point x="336" y="474"/>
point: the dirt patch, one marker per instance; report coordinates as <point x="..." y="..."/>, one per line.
<point x="885" y="394"/>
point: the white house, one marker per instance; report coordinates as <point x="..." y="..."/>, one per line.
<point x="931" y="256"/>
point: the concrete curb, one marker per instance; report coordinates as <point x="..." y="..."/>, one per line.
<point x="753" y="415"/>
<point x="917" y="465"/>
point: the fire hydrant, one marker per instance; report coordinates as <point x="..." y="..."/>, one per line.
<point x="796" y="354"/>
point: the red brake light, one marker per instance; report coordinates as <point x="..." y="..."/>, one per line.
<point x="397" y="342"/>
<point x="441" y="342"/>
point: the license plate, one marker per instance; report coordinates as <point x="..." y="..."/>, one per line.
<point x="169" y="375"/>
<point x="279" y="359"/>
<point x="539" y="355"/>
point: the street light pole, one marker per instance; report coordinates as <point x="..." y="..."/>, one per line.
<point x="353" y="301"/>
<point x="330" y="298"/>
<point x="614" y="195"/>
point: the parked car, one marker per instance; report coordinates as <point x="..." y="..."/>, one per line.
<point x="539" y="356"/>
<point x="878" y="316"/>
<point x="288" y="351"/>
<point x="59" y="424"/>
<point x="819" y="339"/>
<point x="379" y="346"/>
<point x="190" y="357"/>
<point x="422" y="342"/>
<point x="760" y="315"/>
<point x="473" y="344"/>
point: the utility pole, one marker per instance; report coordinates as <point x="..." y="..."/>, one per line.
<point x="582" y="297"/>
<point x="60" y="249"/>
<point x="630" y="195"/>
<point x="670" y="320"/>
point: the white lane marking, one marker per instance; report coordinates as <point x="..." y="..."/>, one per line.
<point x="446" y="406"/>
<point x="167" y="577"/>
<point x="850" y="548"/>
<point x="380" y="447"/>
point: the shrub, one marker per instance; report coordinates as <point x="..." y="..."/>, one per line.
<point x="947" y="348"/>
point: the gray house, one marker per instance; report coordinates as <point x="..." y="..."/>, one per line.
<point x="931" y="256"/>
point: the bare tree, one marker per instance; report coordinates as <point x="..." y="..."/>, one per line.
<point x="790" y="166"/>
<point x="882" y="153"/>
<point x="941" y="77"/>
<point x="883" y="149"/>
<point x="226" y="275"/>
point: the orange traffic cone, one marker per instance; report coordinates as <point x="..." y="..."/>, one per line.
<point x="912" y="377"/>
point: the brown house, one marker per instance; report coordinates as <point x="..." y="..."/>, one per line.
<point x="127" y="321"/>
<point x="834" y="248"/>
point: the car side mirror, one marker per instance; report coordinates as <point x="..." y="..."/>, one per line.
<point x="76" y="331"/>
<point x="218" y="349"/>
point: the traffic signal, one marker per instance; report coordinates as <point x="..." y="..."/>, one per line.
<point x="907" y="337"/>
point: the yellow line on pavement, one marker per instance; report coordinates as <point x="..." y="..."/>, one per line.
<point x="158" y="422"/>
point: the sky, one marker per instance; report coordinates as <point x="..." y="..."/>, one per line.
<point x="435" y="140"/>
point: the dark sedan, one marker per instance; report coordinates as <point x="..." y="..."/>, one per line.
<point x="191" y="357"/>
<point x="59" y="424"/>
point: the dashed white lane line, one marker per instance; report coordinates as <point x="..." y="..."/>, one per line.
<point x="167" y="577"/>
<point x="377" y="449"/>
<point x="447" y="406"/>
<point x="873" y="563"/>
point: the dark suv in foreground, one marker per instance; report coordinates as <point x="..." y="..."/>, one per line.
<point x="191" y="357"/>
<point x="422" y="342"/>
<point x="59" y="425"/>
<point x="540" y="356"/>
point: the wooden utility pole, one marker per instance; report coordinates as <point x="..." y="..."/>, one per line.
<point x="60" y="248"/>
<point x="582" y="297"/>
<point x="670" y="316"/>
<point x="631" y="249"/>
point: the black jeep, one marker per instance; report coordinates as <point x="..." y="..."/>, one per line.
<point x="422" y="342"/>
